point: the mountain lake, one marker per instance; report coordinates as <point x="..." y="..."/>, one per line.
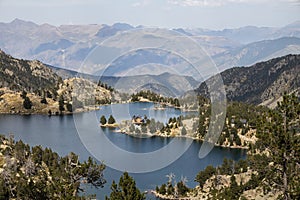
<point x="65" y="134"/>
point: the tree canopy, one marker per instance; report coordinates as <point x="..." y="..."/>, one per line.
<point x="125" y="190"/>
<point x="111" y="120"/>
<point x="103" y="120"/>
<point x="273" y="162"/>
<point x="37" y="173"/>
<point x="279" y="135"/>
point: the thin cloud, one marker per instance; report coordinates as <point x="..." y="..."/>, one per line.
<point x="216" y="3"/>
<point x="141" y="3"/>
<point x="53" y="3"/>
<point x="196" y="2"/>
<point x="294" y="2"/>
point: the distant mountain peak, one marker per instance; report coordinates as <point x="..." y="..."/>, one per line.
<point x="28" y="40"/>
<point x="19" y="23"/>
<point x="107" y="31"/>
<point x="17" y="20"/>
<point x="182" y="31"/>
<point x="122" y="26"/>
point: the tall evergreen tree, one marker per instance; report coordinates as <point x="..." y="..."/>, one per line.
<point x="103" y="120"/>
<point x="37" y="173"/>
<point x="281" y="138"/>
<point x="27" y="103"/>
<point x="125" y="190"/>
<point x="61" y="104"/>
<point x="111" y="120"/>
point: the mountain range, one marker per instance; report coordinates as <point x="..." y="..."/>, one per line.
<point x="165" y="83"/>
<point x="67" y="46"/>
<point x="250" y="34"/>
<point x="262" y="83"/>
<point x="258" y="51"/>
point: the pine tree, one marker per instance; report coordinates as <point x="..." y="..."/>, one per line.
<point x="126" y="189"/>
<point x="182" y="188"/>
<point x="44" y="101"/>
<point x="27" y="170"/>
<point x="202" y="176"/>
<point x="69" y="107"/>
<point x="61" y="104"/>
<point x="234" y="188"/>
<point x="279" y="135"/>
<point x="162" y="189"/>
<point x="27" y="103"/>
<point x="103" y="120"/>
<point x="24" y="94"/>
<point x="183" y="131"/>
<point x="111" y="120"/>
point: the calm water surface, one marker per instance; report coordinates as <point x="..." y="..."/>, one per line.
<point x="59" y="133"/>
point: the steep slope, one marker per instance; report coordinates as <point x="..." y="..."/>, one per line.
<point x="265" y="81"/>
<point x="32" y="87"/>
<point x="30" y="76"/>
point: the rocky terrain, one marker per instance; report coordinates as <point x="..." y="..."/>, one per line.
<point x="32" y="87"/>
<point x="224" y="181"/>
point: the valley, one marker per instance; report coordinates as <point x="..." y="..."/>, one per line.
<point x="158" y="117"/>
<point x="67" y="46"/>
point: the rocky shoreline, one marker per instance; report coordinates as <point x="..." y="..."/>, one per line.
<point x="181" y="136"/>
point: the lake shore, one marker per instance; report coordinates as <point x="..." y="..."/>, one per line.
<point x="147" y="135"/>
<point x="59" y="133"/>
<point x="11" y="103"/>
<point x="115" y="125"/>
<point x="157" y="106"/>
<point x="169" y="197"/>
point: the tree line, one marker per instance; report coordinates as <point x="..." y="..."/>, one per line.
<point x="147" y="94"/>
<point x="273" y="162"/>
<point x="40" y="173"/>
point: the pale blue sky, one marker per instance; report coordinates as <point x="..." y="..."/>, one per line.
<point x="213" y="14"/>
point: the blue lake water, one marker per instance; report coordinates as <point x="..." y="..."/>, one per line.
<point x="60" y="133"/>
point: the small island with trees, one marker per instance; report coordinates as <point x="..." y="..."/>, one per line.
<point x="110" y="123"/>
<point x="239" y="129"/>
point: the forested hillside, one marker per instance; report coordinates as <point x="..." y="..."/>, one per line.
<point x="32" y="87"/>
<point x="265" y="81"/>
<point x="271" y="170"/>
<point x="25" y="75"/>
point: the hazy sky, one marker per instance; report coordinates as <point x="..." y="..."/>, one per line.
<point x="213" y="14"/>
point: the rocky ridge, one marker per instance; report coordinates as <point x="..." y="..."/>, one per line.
<point x="264" y="82"/>
<point x="44" y="88"/>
